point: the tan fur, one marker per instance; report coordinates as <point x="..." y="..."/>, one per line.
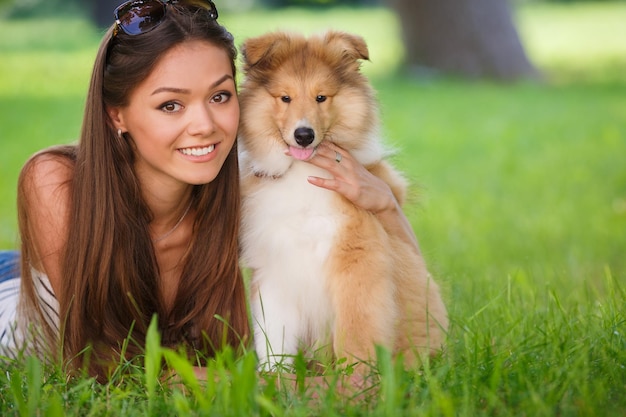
<point x="375" y="285"/>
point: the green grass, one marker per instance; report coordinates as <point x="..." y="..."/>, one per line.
<point x="520" y="208"/>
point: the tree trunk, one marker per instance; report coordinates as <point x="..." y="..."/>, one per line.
<point x="472" y="38"/>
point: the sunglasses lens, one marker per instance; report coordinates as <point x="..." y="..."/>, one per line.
<point x="207" y="5"/>
<point x="139" y="16"/>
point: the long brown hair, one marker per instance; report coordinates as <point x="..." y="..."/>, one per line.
<point x="110" y="273"/>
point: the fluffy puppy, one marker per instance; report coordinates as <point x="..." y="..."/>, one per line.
<point x="325" y="273"/>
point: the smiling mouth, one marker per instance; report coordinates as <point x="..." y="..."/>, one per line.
<point x="197" y="151"/>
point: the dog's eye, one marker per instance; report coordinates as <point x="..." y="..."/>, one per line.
<point x="286" y="99"/>
<point x="320" y="99"/>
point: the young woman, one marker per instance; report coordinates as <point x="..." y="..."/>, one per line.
<point x="141" y="217"/>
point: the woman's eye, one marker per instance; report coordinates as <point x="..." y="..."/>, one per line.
<point x="171" y="107"/>
<point x="221" y="98"/>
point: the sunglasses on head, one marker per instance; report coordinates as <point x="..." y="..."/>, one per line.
<point x="140" y="16"/>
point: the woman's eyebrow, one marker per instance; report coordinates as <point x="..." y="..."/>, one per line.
<point x="221" y="80"/>
<point x="186" y="91"/>
<point x="171" y="90"/>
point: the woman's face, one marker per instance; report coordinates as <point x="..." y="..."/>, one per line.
<point x="183" y="118"/>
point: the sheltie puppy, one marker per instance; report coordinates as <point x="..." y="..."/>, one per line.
<point x="325" y="274"/>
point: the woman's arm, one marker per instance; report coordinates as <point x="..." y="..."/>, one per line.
<point x="361" y="187"/>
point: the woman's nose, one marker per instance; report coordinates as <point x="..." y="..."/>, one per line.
<point x="201" y="122"/>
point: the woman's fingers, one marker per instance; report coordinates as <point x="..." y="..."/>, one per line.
<point x="350" y="179"/>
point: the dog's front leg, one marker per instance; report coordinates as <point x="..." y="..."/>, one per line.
<point x="275" y="322"/>
<point x="363" y="295"/>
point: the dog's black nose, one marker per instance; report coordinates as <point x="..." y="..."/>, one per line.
<point x="304" y="136"/>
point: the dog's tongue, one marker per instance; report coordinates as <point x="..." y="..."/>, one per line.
<point x="301" y="153"/>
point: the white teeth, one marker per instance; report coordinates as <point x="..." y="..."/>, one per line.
<point x="198" y="151"/>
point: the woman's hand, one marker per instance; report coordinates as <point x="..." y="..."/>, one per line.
<point x="365" y="190"/>
<point x="351" y="179"/>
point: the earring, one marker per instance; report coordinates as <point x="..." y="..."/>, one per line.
<point x="119" y="133"/>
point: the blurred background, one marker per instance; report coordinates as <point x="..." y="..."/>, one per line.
<point x="508" y="117"/>
<point x="470" y="39"/>
<point x="483" y="38"/>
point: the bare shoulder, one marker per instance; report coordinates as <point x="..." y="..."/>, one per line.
<point x="44" y="195"/>
<point x="46" y="178"/>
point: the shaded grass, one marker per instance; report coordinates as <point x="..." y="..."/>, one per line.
<point x="520" y="208"/>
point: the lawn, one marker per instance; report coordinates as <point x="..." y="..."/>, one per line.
<point x="519" y="203"/>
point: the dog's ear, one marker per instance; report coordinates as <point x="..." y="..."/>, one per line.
<point x="263" y="51"/>
<point x="353" y="47"/>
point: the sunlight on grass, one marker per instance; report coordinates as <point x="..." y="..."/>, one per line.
<point x="45" y="74"/>
<point x="577" y="40"/>
<point x="46" y="58"/>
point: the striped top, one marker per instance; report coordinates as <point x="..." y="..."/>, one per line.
<point x="13" y="323"/>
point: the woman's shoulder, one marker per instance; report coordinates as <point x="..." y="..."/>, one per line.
<point x="44" y="200"/>
<point x="48" y="171"/>
<point x="44" y="189"/>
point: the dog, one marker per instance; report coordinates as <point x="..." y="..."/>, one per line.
<point x="325" y="275"/>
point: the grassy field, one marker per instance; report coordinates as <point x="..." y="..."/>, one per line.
<point x="519" y="205"/>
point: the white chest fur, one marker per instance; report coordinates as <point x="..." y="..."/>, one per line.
<point x="287" y="232"/>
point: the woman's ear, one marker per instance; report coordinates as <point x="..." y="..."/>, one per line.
<point x="116" y="116"/>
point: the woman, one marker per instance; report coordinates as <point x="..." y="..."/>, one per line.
<point x="142" y="216"/>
